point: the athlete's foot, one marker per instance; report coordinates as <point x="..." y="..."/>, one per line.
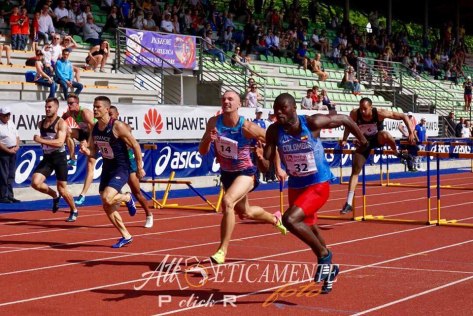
<point x="279" y="224"/>
<point x="72" y="217"/>
<point x="323" y="268"/>
<point x="56" y="204"/>
<point x="80" y="200"/>
<point x="218" y="257"/>
<point x="72" y="162"/>
<point x="149" y="221"/>
<point x="328" y="283"/>
<point x="347" y="208"/>
<point x="131" y="205"/>
<point x="122" y="242"/>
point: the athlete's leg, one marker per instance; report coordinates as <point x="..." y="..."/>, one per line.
<point x="111" y="200"/>
<point x="134" y="184"/>
<point x="384" y="138"/>
<point x="64" y="192"/>
<point x="71" y="135"/>
<point x="89" y="177"/>
<point x="358" y="162"/>
<point x="316" y="230"/>
<point x="37" y="183"/>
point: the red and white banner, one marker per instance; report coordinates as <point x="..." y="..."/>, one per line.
<point x="173" y="122"/>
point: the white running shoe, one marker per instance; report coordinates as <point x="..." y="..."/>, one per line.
<point x="149" y="221"/>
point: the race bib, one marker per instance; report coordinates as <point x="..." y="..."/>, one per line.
<point x="300" y="164"/>
<point x="227" y="147"/>
<point x="368" y="129"/>
<point x="105" y="149"/>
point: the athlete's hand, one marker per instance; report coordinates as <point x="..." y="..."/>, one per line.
<point x="281" y="175"/>
<point x="213" y="134"/>
<point x="140" y="173"/>
<point x="259" y="150"/>
<point x="37" y="138"/>
<point x="342" y="143"/>
<point x="412" y="139"/>
<point x="83" y="148"/>
<point x="361" y="144"/>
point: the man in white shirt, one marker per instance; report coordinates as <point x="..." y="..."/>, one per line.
<point x="9" y="145"/>
<point x="306" y="102"/>
<point x="166" y="24"/>
<point x="466" y="132"/>
<point x="45" y="23"/>
<point x="62" y="14"/>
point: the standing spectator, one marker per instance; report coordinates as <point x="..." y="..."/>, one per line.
<point x="24" y="29"/>
<point x="306" y="102"/>
<point x="252" y="97"/>
<point x="459" y="127"/>
<point x="450" y="126"/>
<point x="45" y="25"/>
<point x="9" y="145"/>
<point x="421" y="136"/>
<point x="15" y="28"/>
<point x="64" y="75"/>
<point x="4" y="47"/>
<point x="92" y="32"/>
<point x="44" y="76"/>
<point x="466" y="132"/>
<point x="467" y="85"/>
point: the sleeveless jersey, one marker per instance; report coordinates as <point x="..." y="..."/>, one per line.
<point x="369" y="128"/>
<point x="303" y="156"/>
<point x="50" y="133"/>
<point x="80" y="120"/>
<point x="114" y="150"/>
<point x="231" y="147"/>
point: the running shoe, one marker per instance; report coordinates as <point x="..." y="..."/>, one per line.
<point x="218" y="257"/>
<point x="323" y="268"/>
<point x="279" y="224"/>
<point x="72" y="217"/>
<point x="72" y="163"/>
<point x="56" y="204"/>
<point x="80" y="200"/>
<point x="131" y="205"/>
<point x="149" y="221"/>
<point x="328" y="283"/>
<point x="122" y="242"/>
<point x="347" y="208"/>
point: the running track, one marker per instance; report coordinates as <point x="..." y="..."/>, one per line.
<point x="50" y="267"/>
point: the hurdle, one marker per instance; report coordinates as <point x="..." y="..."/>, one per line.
<point x="169" y="182"/>
<point x="439" y="221"/>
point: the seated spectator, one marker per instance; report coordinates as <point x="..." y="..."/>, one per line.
<point x="166" y="24"/>
<point x="62" y="16"/>
<point x="64" y="75"/>
<point x="306" y="102"/>
<point x="56" y="48"/>
<point x="326" y="100"/>
<point x="115" y="20"/>
<point x="176" y="24"/>
<point x="315" y="95"/>
<point x="272" y="43"/>
<point x="300" y="56"/>
<point x="227" y="39"/>
<point x="238" y="59"/>
<point x="251" y="82"/>
<point x="98" y="56"/>
<point x="320" y="107"/>
<point x="77" y="19"/>
<point x="43" y="75"/>
<point x="47" y="62"/>
<point x="149" y="24"/>
<point x="4" y="47"/>
<point x="210" y="48"/>
<point x="92" y="32"/>
<point x="350" y="82"/>
<point x="69" y="43"/>
<point x="316" y="66"/>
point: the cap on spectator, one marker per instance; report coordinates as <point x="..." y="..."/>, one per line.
<point x="409" y="113"/>
<point x="304" y="43"/>
<point x="423" y="119"/>
<point x="259" y="110"/>
<point x="468" y="78"/>
<point x="5" y="110"/>
<point x="271" y="112"/>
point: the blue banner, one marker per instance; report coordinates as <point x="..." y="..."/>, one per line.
<point x="182" y="158"/>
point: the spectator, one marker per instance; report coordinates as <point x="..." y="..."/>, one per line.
<point x="238" y="59"/>
<point x="9" y="146"/>
<point x="209" y="47"/>
<point x="300" y="56"/>
<point x="64" y="75"/>
<point x="176" y="24"/>
<point x="404" y="129"/>
<point x="56" y="49"/>
<point x="450" y="126"/>
<point x="315" y="95"/>
<point x="47" y="62"/>
<point x="69" y="43"/>
<point x="326" y="100"/>
<point x="228" y="40"/>
<point x="258" y="120"/>
<point x="351" y="82"/>
<point x="92" y="32"/>
<point x="467" y="87"/>
<point x="166" y="24"/>
<point x="24" y="23"/>
<point x="61" y="13"/>
<point x="149" y="24"/>
<point x="272" y="42"/>
<point x="421" y="136"/>
<point x="459" y="127"/>
<point x="316" y="66"/>
<point x="252" y="97"/>
<point x="35" y="38"/>
<point x="15" y="28"/>
<point x="4" y="47"/>
<point x="127" y="10"/>
<point x="98" y="56"/>
<point x="45" y="25"/>
<point x="306" y="102"/>
<point x="466" y="132"/>
<point x="43" y="75"/>
<point x="77" y="19"/>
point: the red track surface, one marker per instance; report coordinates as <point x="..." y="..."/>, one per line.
<point x="50" y="267"/>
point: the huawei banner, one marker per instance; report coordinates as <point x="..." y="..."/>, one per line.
<point x="164" y="123"/>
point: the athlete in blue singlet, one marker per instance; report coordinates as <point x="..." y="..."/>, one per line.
<point x="232" y="136"/>
<point x="297" y="139"/>
<point x="112" y="137"/>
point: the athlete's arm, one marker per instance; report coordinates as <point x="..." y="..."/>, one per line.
<point x="88" y="118"/>
<point x="88" y="148"/>
<point x="209" y="136"/>
<point x="346" y="132"/>
<point x="317" y="122"/>
<point x="383" y="114"/>
<point x="269" y="152"/>
<point x="60" y="136"/>
<point x="254" y="131"/>
<point x="120" y="130"/>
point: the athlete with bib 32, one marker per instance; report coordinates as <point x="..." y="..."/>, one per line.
<point x="297" y="139"/>
<point x="232" y="136"/>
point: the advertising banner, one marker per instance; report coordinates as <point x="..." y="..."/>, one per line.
<point x="177" y="50"/>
